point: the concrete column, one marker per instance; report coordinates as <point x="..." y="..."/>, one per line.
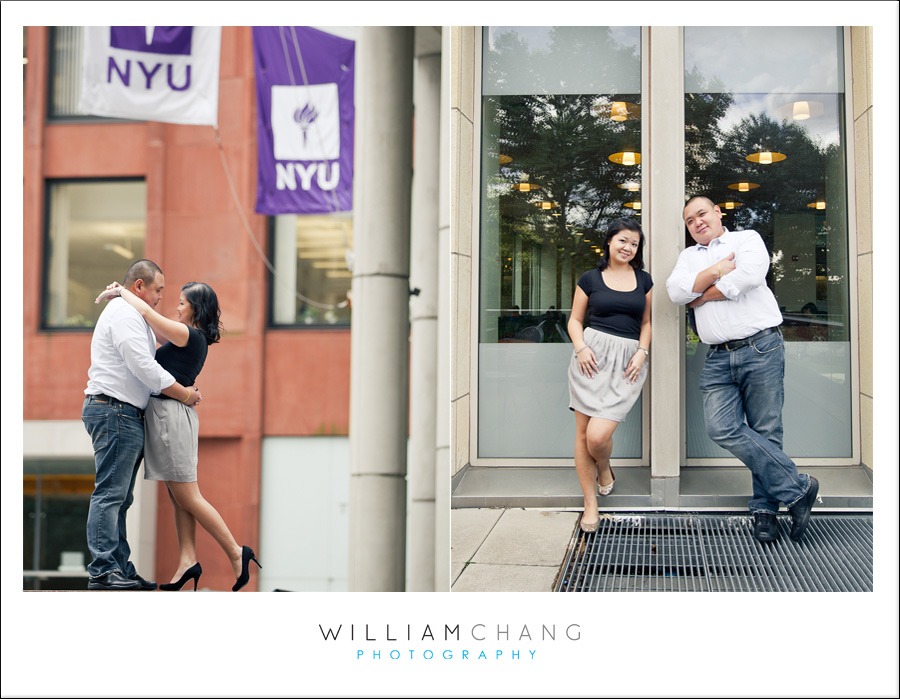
<point x="866" y="266"/>
<point x="284" y="293"/>
<point x="423" y="320"/>
<point x="379" y="349"/>
<point x="443" y="397"/>
<point x="665" y="232"/>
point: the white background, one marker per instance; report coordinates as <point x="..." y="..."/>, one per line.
<point x="76" y="644"/>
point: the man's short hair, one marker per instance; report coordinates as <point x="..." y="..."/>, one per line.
<point x="697" y="196"/>
<point x="142" y="269"/>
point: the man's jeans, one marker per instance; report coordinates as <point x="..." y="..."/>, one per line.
<point x="117" y="431"/>
<point x="749" y="382"/>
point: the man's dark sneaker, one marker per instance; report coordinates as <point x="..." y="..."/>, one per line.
<point x="801" y="509"/>
<point x="765" y="528"/>
<point x="113" y="581"/>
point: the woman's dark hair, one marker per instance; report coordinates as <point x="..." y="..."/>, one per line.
<point x="205" y="304"/>
<point x="616" y="226"/>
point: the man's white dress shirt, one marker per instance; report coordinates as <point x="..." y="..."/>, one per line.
<point x="123" y="351"/>
<point x="749" y="305"/>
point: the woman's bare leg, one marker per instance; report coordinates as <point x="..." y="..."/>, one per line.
<point x="186" y="531"/>
<point x="586" y="467"/>
<point x="599" y="435"/>
<point x="188" y="497"/>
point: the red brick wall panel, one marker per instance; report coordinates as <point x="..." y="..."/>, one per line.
<point x="307" y="382"/>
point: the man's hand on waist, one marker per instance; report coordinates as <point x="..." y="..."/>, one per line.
<point x="194" y="396"/>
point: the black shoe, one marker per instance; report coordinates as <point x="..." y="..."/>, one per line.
<point x="145" y="584"/>
<point x="247" y="555"/>
<point x="765" y="528"/>
<point x="113" y="581"/>
<point x="192" y="573"/>
<point x="801" y="509"/>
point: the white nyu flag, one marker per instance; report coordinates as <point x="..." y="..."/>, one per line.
<point x="168" y="74"/>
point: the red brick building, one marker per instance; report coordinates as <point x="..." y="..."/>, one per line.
<point x="257" y="382"/>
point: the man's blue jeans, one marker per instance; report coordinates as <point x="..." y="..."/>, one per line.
<point x="749" y="383"/>
<point x="117" y="431"/>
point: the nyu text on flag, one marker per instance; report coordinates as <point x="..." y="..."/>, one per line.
<point x="168" y="74"/>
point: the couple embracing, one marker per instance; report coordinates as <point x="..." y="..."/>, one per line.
<point x="140" y="403"/>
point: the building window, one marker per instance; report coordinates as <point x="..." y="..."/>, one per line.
<point x="311" y="279"/>
<point x="765" y="138"/>
<point x="65" y="76"/>
<point x="65" y="72"/>
<point x="560" y="159"/>
<point x="95" y="231"/>
<point x="56" y="497"/>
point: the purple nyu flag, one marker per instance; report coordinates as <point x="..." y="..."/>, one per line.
<point x="305" y="127"/>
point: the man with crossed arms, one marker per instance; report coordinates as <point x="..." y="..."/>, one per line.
<point x="123" y="374"/>
<point x="723" y="278"/>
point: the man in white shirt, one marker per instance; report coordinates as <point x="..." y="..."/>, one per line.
<point x="122" y="376"/>
<point x="723" y="278"/>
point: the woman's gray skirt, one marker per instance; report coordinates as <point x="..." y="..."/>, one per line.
<point x="606" y="395"/>
<point x="170" y="441"/>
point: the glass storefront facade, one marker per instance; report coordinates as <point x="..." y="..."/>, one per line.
<point x="55" y="499"/>
<point x="779" y="91"/>
<point x="562" y="123"/>
<point x="560" y="160"/>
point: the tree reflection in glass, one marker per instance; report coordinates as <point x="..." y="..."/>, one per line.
<point x="550" y="187"/>
<point x="751" y="90"/>
<point x="557" y="102"/>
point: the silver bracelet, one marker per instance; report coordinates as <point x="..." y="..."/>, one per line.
<point x="579" y="350"/>
<point x="646" y="351"/>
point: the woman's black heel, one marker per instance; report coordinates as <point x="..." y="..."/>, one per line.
<point x="191" y="573"/>
<point x="247" y="555"/>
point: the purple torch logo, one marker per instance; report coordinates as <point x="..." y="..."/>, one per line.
<point x="305" y="117"/>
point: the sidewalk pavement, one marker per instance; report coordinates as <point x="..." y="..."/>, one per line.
<point x="508" y="550"/>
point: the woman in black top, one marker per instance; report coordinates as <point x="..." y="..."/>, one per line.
<point x="171" y="429"/>
<point x="610" y="328"/>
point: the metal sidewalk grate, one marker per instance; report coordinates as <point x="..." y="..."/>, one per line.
<point x="717" y="553"/>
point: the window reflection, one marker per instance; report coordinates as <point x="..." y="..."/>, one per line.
<point x="809" y="261"/>
<point x="56" y="496"/>
<point x="311" y="280"/>
<point x="557" y="190"/>
<point x="95" y="231"/>
<point x="560" y="159"/>
<point x="765" y="139"/>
